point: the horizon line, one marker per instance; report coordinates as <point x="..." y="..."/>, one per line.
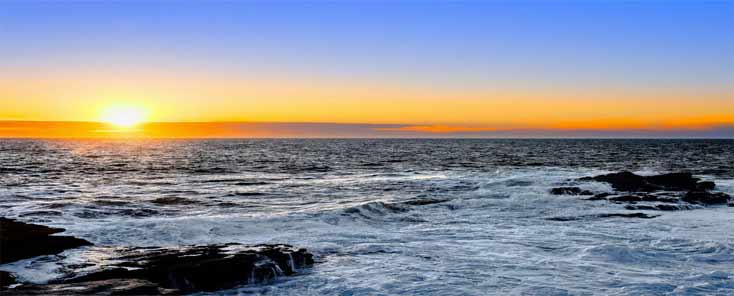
<point x="367" y="138"/>
<point x="36" y="129"/>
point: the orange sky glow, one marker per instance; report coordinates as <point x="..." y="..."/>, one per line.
<point x="413" y="108"/>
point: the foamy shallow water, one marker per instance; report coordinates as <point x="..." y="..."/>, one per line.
<point x="334" y="197"/>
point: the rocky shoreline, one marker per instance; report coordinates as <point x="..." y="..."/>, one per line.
<point x="206" y="268"/>
<point x="146" y="270"/>
<point x="664" y="192"/>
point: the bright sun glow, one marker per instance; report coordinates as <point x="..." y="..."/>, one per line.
<point x="123" y="116"/>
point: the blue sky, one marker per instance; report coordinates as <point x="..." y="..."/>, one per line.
<point x="630" y="44"/>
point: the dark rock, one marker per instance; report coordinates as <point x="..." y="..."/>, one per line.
<point x="624" y="181"/>
<point x="6" y="279"/>
<point x="706" y="198"/>
<point x="570" y="191"/>
<point x="705" y="185"/>
<point x="611" y="215"/>
<point x="197" y="268"/>
<point x="674" y="181"/>
<point x="20" y="240"/>
<point x="103" y="287"/>
<point x="629" y="215"/>
<point x="627" y="181"/>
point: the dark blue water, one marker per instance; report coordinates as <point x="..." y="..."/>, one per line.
<point x="342" y="200"/>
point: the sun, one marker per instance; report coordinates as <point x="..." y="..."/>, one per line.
<point x="124" y="116"/>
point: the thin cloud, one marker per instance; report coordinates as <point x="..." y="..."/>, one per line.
<point x="440" y="129"/>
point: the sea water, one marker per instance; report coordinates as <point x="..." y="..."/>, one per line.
<point x="338" y="199"/>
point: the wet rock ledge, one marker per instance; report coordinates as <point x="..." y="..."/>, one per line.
<point x="664" y="192"/>
<point x="154" y="270"/>
<point x="20" y="240"/>
<point x="630" y="182"/>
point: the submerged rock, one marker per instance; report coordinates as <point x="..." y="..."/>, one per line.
<point x="20" y="240"/>
<point x="570" y="191"/>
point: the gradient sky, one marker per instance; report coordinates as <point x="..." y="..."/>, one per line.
<point x="434" y="67"/>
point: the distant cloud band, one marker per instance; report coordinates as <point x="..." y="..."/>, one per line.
<point x="52" y="129"/>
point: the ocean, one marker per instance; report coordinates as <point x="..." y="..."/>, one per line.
<point x="388" y="216"/>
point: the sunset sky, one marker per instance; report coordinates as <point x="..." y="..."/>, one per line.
<point x="179" y="69"/>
